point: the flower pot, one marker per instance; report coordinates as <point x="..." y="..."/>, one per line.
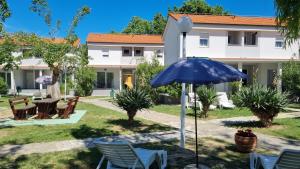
<point x="245" y="141"/>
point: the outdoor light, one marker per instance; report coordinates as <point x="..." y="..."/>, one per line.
<point x="185" y="24"/>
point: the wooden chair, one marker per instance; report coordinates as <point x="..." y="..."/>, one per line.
<point x="75" y="99"/>
<point x="20" y="113"/>
<point x="64" y="111"/>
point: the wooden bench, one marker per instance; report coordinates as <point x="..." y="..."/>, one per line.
<point x="20" y="113"/>
<point x="64" y="111"/>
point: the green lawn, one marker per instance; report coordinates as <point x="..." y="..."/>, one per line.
<point x="294" y="105"/>
<point x="287" y="128"/>
<point x="212" y="152"/>
<point x="213" y="114"/>
<point x="96" y="122"/>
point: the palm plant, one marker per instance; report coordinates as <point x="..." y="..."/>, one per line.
<point x="132" y="100"/>
<point x="265" y="103"/>
<point x="207" y="96"/>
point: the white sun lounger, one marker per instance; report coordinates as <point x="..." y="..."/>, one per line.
<point x="223" y="101"/>
<point x="288" y="159"/>
<point x="120" y="154"/>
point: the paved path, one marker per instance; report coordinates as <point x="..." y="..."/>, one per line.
<point x="55" y="146"/>
<point x="211" y="128"/>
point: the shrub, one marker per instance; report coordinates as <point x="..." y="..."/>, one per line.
<point x="3" y="87"/>
<point x="207" y="96"/>
<point x="132" y="100"/>
<point x="144" y="74"/>
<point x="265" y="103"/>
<point x="84" y="81"/>
<point x="291" y="78"/>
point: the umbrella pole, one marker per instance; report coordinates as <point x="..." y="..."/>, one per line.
<point x="196" y="128"/>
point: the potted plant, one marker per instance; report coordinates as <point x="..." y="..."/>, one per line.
<point x="245" y="140"/>
<point x="132" y="100"/>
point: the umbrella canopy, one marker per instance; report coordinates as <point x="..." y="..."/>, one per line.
<point x="197" y="71"/>
<point x="45" y="80"/>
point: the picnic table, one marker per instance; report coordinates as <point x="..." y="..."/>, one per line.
<point x="46" y="107"/>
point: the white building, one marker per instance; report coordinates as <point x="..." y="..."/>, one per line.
<point x="28" y="70"/>
<point x="116" y="56"/>
<point x="251" y="44"/>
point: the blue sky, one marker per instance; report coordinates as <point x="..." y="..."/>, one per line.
<point x="108" y="15"/>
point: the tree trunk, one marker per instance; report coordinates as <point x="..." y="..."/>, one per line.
<point x="131" y="115"/>
<point x="265" y="119"/>
<point x="54" y="90"/>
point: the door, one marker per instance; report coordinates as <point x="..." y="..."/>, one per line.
<point x="128" y="81"/>
<point x="28" y="79"/>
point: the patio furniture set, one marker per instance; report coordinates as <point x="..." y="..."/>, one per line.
<point x="41" y="109"/>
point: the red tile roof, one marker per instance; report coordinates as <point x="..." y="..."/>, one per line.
<point x="124" y="38"/>
<point x="228" y="20"/>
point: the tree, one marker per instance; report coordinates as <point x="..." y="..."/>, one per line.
<point x="199" y="7"/>
<point x="265" y="103"/>
<point x="138" y="25"/>
<point x="288" y="19"/>
<point x="207" y="96"/>
<point x="132" y="100"/>
<point x="158" y="24"/>
<point x="291" y="78"/>
<point x="4" y="13"/>
<point x="55" y="54"/>
<point x="144" y="73"/>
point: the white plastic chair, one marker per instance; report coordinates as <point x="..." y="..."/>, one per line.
<point x="190" y="102"/>
<point x="120" y="154"/>
<point x="223" y="101"/>
<point x="288" y="159"/>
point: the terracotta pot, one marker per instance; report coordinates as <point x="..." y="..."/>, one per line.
<point x="245" y="144"/>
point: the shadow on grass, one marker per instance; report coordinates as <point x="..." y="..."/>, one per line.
<point x="139" y="126"/>
<point x="244" y="124"/>
<point x="85" y="131"/>
<point x="211" y="153"/>
<point x="84" y="159"/>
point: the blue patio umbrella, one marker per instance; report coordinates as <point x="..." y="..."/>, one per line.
<point x="197" y="71"/>
<point x="45" y="80"/>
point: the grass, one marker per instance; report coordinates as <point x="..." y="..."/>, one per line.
<point x="294" y="105"/>
<point x="213" y="114"/>
<point x="286" y="128"/>
<point x="212" y="152"/>
<point x="97" y="122"/>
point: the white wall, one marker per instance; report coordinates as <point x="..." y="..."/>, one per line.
<point x="171" y="42"/>
<point x="115" y="54"/>
<point x="218" y="43"/>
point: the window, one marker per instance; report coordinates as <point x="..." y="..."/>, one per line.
<point x="159" y="53"/>
<point x="250" y="38"/>
<point x="138" y="51"/>
<point x="105" y="52"/>
<point x="101" y="80"/>
<point x="105" y="80"/>
<point x="234" y="38"/>
<point x="204" y="37"/>
<point x="279" y="42"/>
<point x="109" y="80"/>
<point x="127" y="51"/>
